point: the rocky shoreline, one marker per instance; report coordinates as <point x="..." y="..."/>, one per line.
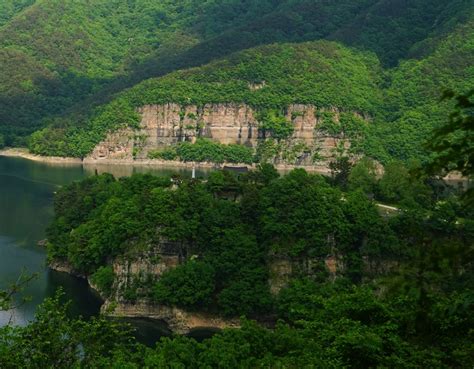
<point x="153" y="163"/>
<point x="178" y="321"/>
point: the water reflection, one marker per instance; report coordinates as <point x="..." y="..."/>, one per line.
<point x="26" y="198"/>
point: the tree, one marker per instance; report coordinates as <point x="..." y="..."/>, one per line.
<point x="190" y="285"/>
<point x="340" y="171"/>
<point x="363" y="177"/>
<point x="53" y="340"/>
<point x="453" y="143"/>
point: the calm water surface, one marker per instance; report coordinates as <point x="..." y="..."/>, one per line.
<point x="26" y="207"/>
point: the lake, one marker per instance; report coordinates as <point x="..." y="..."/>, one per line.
<point x="26" y="208"/>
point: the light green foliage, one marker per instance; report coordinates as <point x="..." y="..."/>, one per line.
<point x="204" y="150"/>
<point x="328" y="124"/>
<point x="103" y="278"/>
<point x="165" y="154"/>
<point x="276" y="123"/>
<point x="267" y="151"/>
<point x="208" y="151"/>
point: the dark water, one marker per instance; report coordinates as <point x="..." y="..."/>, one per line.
<point x="26" y="207"/>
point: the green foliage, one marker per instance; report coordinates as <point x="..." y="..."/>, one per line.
<point x="276" y="123"/>
<point x="340" y="171"/>
<point x="453" y="142"/>
<point x="53" y="340"/>
<point x="363" y="176"/>
<point x="204" y="150"/>
<point x="230" y="223"/>
<point x="190" y="285"/>
<point x="103" y="278"/>
<point x="327" y="123"/>
<point x="165" y="154"/>
<point x="9" y="8"/>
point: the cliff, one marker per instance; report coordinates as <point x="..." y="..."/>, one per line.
<point x="134" y="276"/>
<point x="164" y="125"/>
<point x="136" y="273"/>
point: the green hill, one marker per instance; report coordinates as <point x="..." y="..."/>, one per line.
<point x="322" y="73"/>
<point x="61" y="59"/>
<point x="9" y="8"/>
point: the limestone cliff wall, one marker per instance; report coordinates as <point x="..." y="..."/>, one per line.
<point x="141" y="269"/>
<point x="178" y="320"/>
<point x="165" y="125"/>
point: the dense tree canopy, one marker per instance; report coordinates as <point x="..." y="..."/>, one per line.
<point x="404" y="297"/>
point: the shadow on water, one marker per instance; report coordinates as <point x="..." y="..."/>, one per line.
<point x="150" y="331"/>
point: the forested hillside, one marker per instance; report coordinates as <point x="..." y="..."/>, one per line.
<point x="61" y="59"/>
<point x="399" y="295"/>
<point x="9" y="8"/>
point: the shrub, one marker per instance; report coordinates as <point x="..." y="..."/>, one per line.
<point x="275" y="122"/>
<point x="166" y="154"/>
<point x="103" y="278"/>
<point x="205" y="151"/>
<point x="190" y="285"/>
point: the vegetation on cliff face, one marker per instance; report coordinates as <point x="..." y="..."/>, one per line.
<point x="204" y="150"/>
<point x="232" y="224"/>
<point x="303" y="73"/>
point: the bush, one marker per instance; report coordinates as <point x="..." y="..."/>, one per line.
<point x="205" y="151"/>
<point x="190" y="285"/>
<point x="276" y="123"/>
<point x="166" y="154"/>
<point x="103" y="278"/>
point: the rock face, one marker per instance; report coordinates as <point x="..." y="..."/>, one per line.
<point x="148" y="267"/>
<point x="179" y="321"/>
<point x="165" y="125"/>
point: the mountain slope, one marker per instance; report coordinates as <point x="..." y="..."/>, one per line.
<point x="321" y="73"/>
<point x="9" y="8"/>
<point x="73" y="56"/>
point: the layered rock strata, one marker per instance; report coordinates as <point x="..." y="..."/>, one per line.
<point x="165" y="125"/>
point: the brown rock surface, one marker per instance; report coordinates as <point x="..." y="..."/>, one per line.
<point x="164" y="125"/>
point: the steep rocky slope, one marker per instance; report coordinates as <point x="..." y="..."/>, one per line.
<point x="162" y="126"/>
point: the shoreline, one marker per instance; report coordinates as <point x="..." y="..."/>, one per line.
<point x="167" y="164"/>
<point x="25" y="154"/>
<point x="154" y="163"/>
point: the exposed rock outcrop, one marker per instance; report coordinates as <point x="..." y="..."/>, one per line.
<point x="178" y="320"/>
<point x="165" y="125"/>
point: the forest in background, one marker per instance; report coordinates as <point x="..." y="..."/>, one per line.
<point x="64" y="76"/>
<point x="81" y="68"/>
